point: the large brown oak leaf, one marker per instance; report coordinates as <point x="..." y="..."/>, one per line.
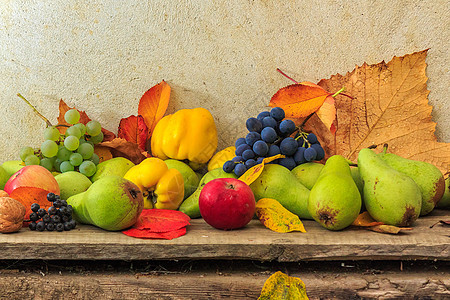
<point x="390" y="106"/>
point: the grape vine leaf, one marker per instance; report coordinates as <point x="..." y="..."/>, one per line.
<point x="153" y="105"/>
<point x="277" y="218"/>
<point x="123" y="148"/>
<point x="281" y="286"/>
<point x="63" y="108"/>
<point x="390" y="106"/>
<point x="133" y="129"/>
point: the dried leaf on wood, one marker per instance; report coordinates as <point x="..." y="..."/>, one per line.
<point x="123" y="148"/>
<point x="63" y="108"/>
<point x="441" y="222"/>
<point x="133" y="129"/>
<point x="365" y="220"/>
<point x="280" y="286"/>
<point x="277" y="218"/>
<point x="153" y="105"/>
<point x="299" y="100"/>
<point x="390" y="106"/>
<point x="388" y="229"/>
<point x="103" y="153"/>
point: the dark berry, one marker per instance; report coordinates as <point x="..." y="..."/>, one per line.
<point x="240" y="169"/>
<point x="57" y="197"/>
<point x="250" y="163"/>
<point x="248" y="154"/>
<point x="251" y="138"/>
<point x="277" y="113"/>
<point x="60" y="227"/>
<point x="56" y="219"/>
<point x="288" y="146"/>
<point x="241" y="148"/>
<point x="73" y="224"/>
<point x="32" y="226"/>
<point x="253" y="124"/>
<point x="239" y="142"/>
<point x="50" y="227"/>
<point x="287" y="162"/>
<point x="67" y="226"/>
<point x="40" y="226"/>
<point x="287" y="127"/>
<point x="35" y="207"/>
<point x="269" y="135"/>
<point x="259" y="160"/>
<point x="310" y="154"/>
<point x="52" y="210"/>
<point x="237" y="159"/>
<point x="51" y="197"/>
<point x="260" y="148"/>
<point x="228" y="166"/>
<point x="320" y="152"/>
<point x="262" y="115"/>
<point x="269" y="122"/>
<point x="63" y="210"/>
<point x="65" y="219"/>
<point x="46" y="218"/>
<point x="57" y="203"/>
<point x="69" y="210"/>
<point x="312" y="138"/>
<point x="273" y="150"/>
<point x="63" y="203"/>
<point x="41" y="212"/>
<point x="34" y="217"/>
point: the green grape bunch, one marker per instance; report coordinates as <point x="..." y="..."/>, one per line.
<point x="72" y="151"/>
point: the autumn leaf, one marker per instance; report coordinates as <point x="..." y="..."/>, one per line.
<point x="277" y="218"/>
<point x="365" y="220"/>
<point x="280" y="286"/>
<point x="133" y="129"/>
<point x="327" y="114"/>
<point x="123" y="148"/>
<point x="103" y="153"/>
<point x="153" y="105"/>
<point x="299" y="100"/>
<point x="29" y="195"/>
<point x="159" y="224"/>
<point x="63" y="108"/>
<point x="390" y="106"/>
<point x="253" y="173"/>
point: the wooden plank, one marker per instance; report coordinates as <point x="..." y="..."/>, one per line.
<point x="217" y="285"/>
<point x="253" y="242"/>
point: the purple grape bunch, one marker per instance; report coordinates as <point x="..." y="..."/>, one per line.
<point x="271" y="134"/>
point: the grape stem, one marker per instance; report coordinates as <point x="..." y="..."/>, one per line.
<point x="35" y="110"/>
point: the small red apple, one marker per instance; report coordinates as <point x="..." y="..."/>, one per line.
<point x="32" y="176"/>
<point x="227" y="203"/>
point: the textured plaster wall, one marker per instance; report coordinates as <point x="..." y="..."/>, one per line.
<point x="101" y="56"/>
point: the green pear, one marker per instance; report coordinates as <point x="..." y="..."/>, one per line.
<point x="190" y="205"/>
<point x="114" y="166"/>
<point x="190" y="178"/>
<point x="12" y="166"/>
<point x="359" y="183"/>
<point x="428" y="178"/>
<point x="72" y="183"/>
<point x="308" y="173"/>
<point x="335" y="201"/>
<point x="111" y="203"/>
<point x="389" y="195"/>
<point x="445" y="200"/>
<point x="278" y="183"/>
<point x="4" y="176"/>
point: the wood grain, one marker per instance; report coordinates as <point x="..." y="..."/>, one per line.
<point x="254" y="242"/>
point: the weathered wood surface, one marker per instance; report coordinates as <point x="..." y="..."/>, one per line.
<point x="254" y="242"/>
<point x="218" y="285"/>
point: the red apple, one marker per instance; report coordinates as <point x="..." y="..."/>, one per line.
<point x="32" y="176"/>
<point x="227" y="203"/>
<point x="31" y="184"/>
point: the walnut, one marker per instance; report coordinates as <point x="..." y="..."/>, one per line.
<point x="3" y="193"/>
<point x="12" y="213"/>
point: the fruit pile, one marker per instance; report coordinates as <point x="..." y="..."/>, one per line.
<point x="269" y="135"/>
<point x="72" y="151"/>
<point x="58" y="216"/>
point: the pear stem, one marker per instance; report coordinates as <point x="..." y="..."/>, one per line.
<point x="385" y="148"/>
<point x="35" y="110"/>
<point x="372" y="147"/>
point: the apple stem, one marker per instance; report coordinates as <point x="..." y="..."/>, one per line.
<point x="285" y="75"/>
<point x="35" y="110"/>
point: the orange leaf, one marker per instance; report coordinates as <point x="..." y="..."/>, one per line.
<point x="277" y="218"/>
<point x="327" y="114"/>
<point x="123" y="148"/>
<point x="29" y="195"/>
<point x="280" y="286"/>
<point x="153" y="105"/>
<point x="103" y="153"/>
<point x="365" y="220"/>
<point x="390" y="106"/>
<point x="133" y="129"/>
<point x="63" y="108"/>
<point x="253" y="173"/>
<point x="299" y="100"/>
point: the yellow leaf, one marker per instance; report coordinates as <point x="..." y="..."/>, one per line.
<point x="280" y="286"/>
<point x="277" y="218"/>
<point x="388" y="229"/>
<point x="253" y="173"/>
<point x="365" y="220"/>
<point x="327" y="114"/>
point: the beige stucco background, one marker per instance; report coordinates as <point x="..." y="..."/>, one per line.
<point x="101" y="56"/>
